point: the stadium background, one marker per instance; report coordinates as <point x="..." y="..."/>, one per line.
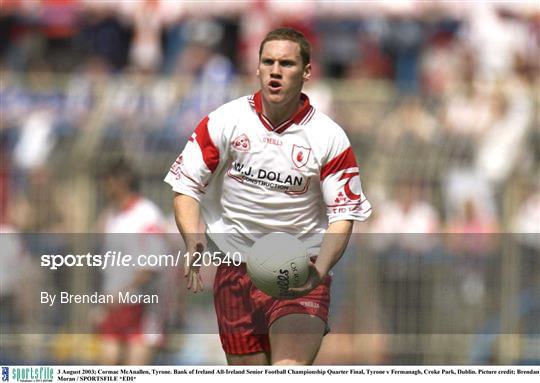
<point x="439" y="99"/>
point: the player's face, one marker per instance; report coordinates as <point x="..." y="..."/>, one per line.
<point x="112" y="188"/>
<point x="281" y="72"/>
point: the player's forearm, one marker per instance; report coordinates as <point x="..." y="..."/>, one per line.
<point x="334" y="243"/>
<point x="187" y="214"/>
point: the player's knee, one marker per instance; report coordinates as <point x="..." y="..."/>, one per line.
<point x="247" y="360"/>
<point x="291" y="362"/>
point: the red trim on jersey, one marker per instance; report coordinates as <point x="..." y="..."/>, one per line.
<point x="367" y="211"/>
<point x="343" y="161"/>
<point x="236" y="178"/>
<point x="300" y="192"/>
<point x="201" y="187"/>
<point x="210" y="152"/>
<point x="266" y="123"/>
<point x="297" y="118"/>
<point x="308" y="117"/>
<point x="152" y="229"/>
<point x="130" y="203"/>
<point x="348" y="204"/>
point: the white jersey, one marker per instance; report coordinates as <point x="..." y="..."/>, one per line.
<point x="252" y="177"/>
<point x="140" y="216"/>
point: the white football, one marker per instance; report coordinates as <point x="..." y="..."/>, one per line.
<point x="276" y="262"/>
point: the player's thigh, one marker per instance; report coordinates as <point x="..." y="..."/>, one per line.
<point x="295" y="339"/>
<point x="255" y="359"/>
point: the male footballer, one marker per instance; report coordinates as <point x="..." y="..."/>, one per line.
<point x="129" y="332"/>
<point x="269" y="162"/>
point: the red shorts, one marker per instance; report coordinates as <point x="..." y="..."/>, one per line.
<point x="129" y="323"/>
<point x="245" y="313"/>
<point x="122" y="322"/>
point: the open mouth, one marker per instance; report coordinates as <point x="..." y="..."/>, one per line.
<point x="274" y="85"/>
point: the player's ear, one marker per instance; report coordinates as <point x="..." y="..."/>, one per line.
<point x="307" y="72"/>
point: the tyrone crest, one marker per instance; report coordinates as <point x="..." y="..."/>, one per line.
<point x="300" y="155"/>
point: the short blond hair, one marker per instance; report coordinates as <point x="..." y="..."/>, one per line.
<point x="293" y="35"/>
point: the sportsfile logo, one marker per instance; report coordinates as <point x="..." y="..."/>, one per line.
<point x="30" y="374"/>
<point x="5" y="374"/>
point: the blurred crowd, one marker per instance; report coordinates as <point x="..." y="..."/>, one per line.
<point x="440" y="101"/>
<point x="450" y="89"/>
<point x="416" y="43"/>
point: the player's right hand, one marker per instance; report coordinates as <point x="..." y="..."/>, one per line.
<point x="191" y="271"/>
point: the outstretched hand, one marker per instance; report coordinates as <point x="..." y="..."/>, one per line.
<point x="191" y="271"/>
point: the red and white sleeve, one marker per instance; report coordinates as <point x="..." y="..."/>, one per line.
<point x="341" y="187"/>
<point x="192" y="170"/>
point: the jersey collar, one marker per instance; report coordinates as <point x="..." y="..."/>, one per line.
<point x="300" y="117"/>
<point x="129" y="204"/>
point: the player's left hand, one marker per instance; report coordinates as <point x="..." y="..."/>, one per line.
<point x="314" y="279"/>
